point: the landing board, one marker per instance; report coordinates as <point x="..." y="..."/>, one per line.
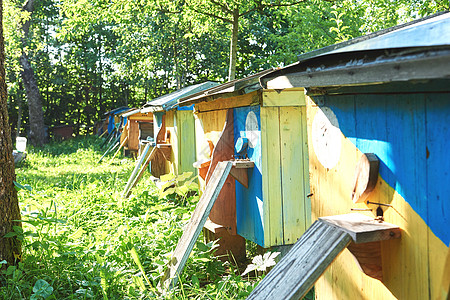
<point x="297" y="272"/>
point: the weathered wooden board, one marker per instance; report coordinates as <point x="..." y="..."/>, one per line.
<point x="228" y="103"/>
<point x="138" y="165"/>
<point x="186" y="137"/>
<point x="368" y="256"/>
<point x="271" y="168"/>
<point x="364" y="229"/>
<point x="195" y="225"/>
<point x="294" y="173"/>
<point x="224" y="210"/>
<point x="287" y="97"/>
<point x="133" y="135"/>
<point x="445" y="284"/>
<point x="296" y="273"/>
<point x="366" y="177"/>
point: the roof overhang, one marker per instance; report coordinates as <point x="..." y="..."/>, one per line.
<point x="363" y="67"/>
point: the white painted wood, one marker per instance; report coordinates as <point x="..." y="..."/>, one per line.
<point x="195" y="225"/>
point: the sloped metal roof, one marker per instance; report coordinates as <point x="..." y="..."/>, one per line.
<point x="433" y="30"/>
<point x="167" y="101"/>
<point x="244" y="85"/>
<point x="417" y="50"/>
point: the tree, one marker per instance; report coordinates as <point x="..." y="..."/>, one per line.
<point x="231" y="12"/>
<point x="37" y="129"/>
<point x="9" y="247"/>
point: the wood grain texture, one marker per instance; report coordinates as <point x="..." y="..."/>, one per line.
<point x="133" y="136"/>
<point x="137" y="166"/>
<point x="158" y="164"/>
<point x="368" y="256"/>
<point x="364" y="229"/>
<point x="195" y="225"/>
<point x="296" y="273"/>
<point x="228" y="103"/>
<point x="224" y="209"/>
<point x="272" y="180"/>
<point x="288" y="97"/>
<point x="186" y="137"/>
<point x="294" y="167"/>
<point x="161" y="135"/>
<point x="445" y="284"/>
<point x="366" y="177"/>
<point x="231" y="247"/>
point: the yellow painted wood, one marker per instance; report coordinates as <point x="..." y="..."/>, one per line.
<point x="271" y="170"/>
<point x="287" y="97"/>
<point x="443" y="291"/>
<point x="230" y="102"/>
<point x="412" y="266"/>
<point x="141" y="117"/>
<point x="208" y="127"/>
<point x="294" y="183"/>
<point x="186" y="137"/>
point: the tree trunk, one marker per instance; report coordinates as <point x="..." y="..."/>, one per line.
<point x="36" y="115"/>
<point x="9" y="206"/>
<point x="233" y="45"/>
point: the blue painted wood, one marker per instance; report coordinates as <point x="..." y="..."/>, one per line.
<point x="249" y="202"/>
<point x="399" y="128"/>
<point x="438" y="164"/>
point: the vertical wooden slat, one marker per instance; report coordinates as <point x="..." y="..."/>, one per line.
<point x="271" y="172"/>
<point x="186" y="136"/>
<point x="293" y="166"/>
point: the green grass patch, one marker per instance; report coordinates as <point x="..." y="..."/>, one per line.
<point x="81" y="240"/>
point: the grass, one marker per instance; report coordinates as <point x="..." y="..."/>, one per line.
<point x="81" y="240"/>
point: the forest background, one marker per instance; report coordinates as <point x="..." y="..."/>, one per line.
<point x="91" y="56"/>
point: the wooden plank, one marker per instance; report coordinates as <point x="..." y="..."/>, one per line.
<point x="139" y="163"/>
<point x="224" y="210"/>
<point x="296" y="273"/>
<point x="141" y="117"/>
<point x="228" y="103"/>
<point x="364" y="229"/>
<point x="287" y="97"/>
<point x="368" y="256"/>
<point x="166" y="150"/>
<point x="120" y="147"/>
<point x="272" y="180"/>
<point x="445" y="284"/>
<point x="243" y="164"/>
<point x="295" y="187"/>
<point x="239" y="171"/>
<point x="195" y="225"/>
<point x="186" y="137"/>
<point x="366" y="177"/>
<point x="133" y="136"/>
<point x="141" y="171"/>
<point x="158" y="164"/>
<point x="161" y="136"/>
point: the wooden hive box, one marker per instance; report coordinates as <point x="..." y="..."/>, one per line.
<point x="270" y="207"/>
<point x="395" y="105"/>
<point x="174" y="131"/>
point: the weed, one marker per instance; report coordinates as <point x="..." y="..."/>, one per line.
<point x="83" y="241"/>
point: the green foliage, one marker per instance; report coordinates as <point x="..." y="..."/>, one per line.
<point x="178" y="187"/>
<point x="81" y="241"/>
<point x="93" y="56"/>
